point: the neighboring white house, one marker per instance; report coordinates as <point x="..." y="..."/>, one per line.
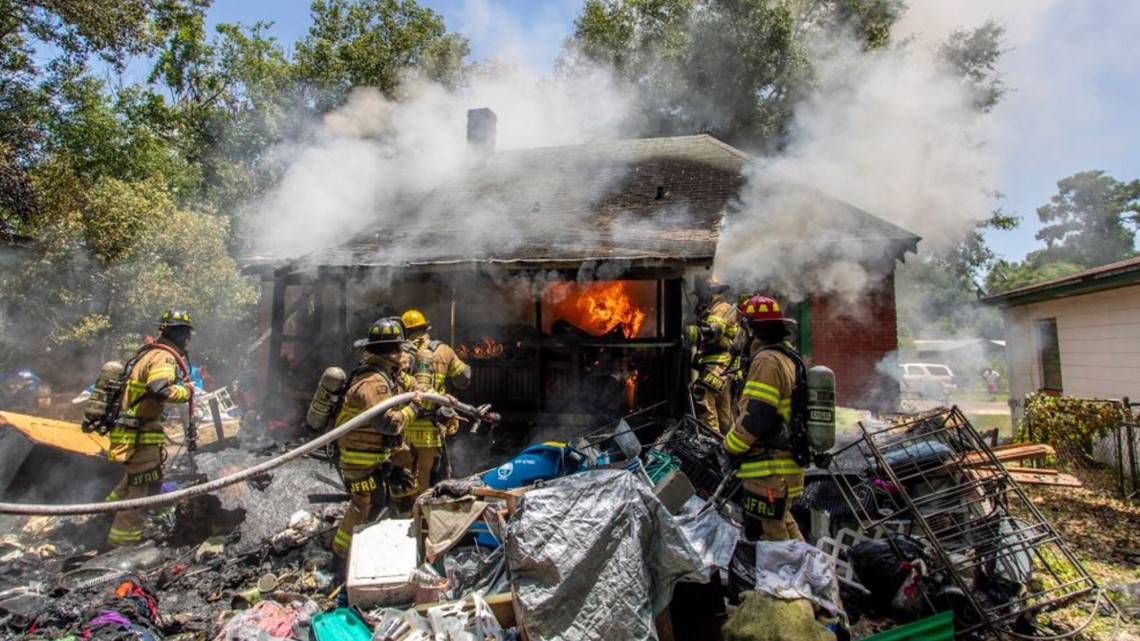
<point x="1078" y="335"/>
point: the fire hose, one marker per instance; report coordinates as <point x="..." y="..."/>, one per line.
<point x="480" y="413"/>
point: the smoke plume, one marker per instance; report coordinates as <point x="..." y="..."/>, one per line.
<point x="373" y="152"/>
<point x="891" y="132"/>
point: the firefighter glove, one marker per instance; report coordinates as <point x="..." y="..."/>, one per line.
<point x="401" y="480"/>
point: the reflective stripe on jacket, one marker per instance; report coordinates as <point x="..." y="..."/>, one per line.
<point x="771" y="379"/>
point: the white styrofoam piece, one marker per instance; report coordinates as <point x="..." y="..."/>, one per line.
<point x="380" y="563"/>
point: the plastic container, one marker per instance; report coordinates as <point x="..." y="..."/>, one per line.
<point x="382" y="557"/>
<point x="342" y="624"/>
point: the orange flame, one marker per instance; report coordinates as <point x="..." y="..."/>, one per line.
<point x="598" y="307"/>
<point x="486" y="347"/>
<point x="630" y="391"/>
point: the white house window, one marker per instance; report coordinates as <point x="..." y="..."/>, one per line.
<point x="1049" y="354"/>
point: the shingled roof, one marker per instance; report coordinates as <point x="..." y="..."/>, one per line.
<point x="649" y="201"/>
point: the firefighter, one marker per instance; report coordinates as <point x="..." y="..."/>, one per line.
<point x="436" y="365"/>
<point x="363" y="455"/>
<point x="762" y="438"/>
<point x="715" y="336"/>
<point x="156" y="375"/>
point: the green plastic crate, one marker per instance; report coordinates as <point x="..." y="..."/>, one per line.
<point x="341" y="624"/>
<point x="939" y="627"/>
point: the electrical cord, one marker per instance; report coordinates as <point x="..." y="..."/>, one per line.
<point x="1100" y="596"/>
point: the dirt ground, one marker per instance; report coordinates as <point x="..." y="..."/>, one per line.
<point x="1104" y="534"/>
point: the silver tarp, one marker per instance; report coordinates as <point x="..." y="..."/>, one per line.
<point x="711" y="535"/>
<point x="595" y="556"/>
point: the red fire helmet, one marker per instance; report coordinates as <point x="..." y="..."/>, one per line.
<point x="760" y="308"/>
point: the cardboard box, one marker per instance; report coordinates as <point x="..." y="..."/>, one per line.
<point x="674" y="490"/>
<point x="380" y="563"/>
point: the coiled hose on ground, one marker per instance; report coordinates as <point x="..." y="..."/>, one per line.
<point x="238" y="477"/>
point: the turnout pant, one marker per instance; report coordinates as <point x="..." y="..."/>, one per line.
<point x="714" y="407"/>
<point x="142" y="477"/>
<point x="768" y="507"/>
<point x="420" y="461"/>
<point x="366" y="489"/>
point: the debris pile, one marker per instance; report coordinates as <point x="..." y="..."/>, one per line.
<point x="607" y="538"/>
<point x="950" y="529"/>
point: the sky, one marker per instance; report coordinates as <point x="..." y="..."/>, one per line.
<point x="1072" y="69"/>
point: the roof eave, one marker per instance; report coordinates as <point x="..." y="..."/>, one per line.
<point x="1088" y="285"/>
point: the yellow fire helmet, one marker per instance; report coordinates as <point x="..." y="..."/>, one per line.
<point x="415" y="321"/>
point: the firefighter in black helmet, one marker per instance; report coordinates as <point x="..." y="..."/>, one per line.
<point x="363" y="453"/>
<point x="158" y="374"/>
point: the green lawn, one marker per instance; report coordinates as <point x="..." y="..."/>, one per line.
<point x="986" y="422"/>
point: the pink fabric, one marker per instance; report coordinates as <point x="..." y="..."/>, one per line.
<point x="277" y="620"/>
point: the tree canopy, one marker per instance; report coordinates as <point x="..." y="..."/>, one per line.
<point x="134" y="192"/>
<point x="733" y="69"/>
<point x="1091" y="221"/>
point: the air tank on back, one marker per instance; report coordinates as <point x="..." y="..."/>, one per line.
<point x="821" y="408"/>
<point x="95" y="413"/>
<point x="328" y="393"/>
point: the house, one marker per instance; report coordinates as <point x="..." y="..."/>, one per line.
<point x="564" y="275"/>
<point x="1078" y="335"/>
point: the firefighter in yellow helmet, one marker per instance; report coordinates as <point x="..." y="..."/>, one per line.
<point x="714" y="336"/>
<point x="761" y="440"/>
<point x="158" y="374"/>
<point x="363" y="454"/>
<point x="436" y="365"/>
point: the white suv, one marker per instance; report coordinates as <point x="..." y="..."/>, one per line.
<point x="928" y="380"/>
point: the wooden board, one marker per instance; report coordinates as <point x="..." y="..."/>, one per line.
<point x="58" y="434"/>
<point x="1056" y="478"/>
<point x="502" y="604"/>
<point x="1015" y="452"/>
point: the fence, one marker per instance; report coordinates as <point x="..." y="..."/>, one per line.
<point x="1119" y="449"/>
<point x="1087" y="433"/>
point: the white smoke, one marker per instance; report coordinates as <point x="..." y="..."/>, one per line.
<point x="890" y="132"/>
<point x="373" y="152"/>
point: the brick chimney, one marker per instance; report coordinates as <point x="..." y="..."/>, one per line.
<point x="481" y="125"/>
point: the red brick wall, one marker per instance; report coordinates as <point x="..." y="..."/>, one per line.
<point x="852" y="339"/>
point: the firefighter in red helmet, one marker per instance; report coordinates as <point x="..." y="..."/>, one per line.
<point x="761" y="437"/>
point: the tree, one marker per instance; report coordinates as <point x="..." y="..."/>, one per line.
<point x="734" y="68"/>
<point x="234" y="97"/>
<point x="1005" y="276"/>
<point x="973" y="56"/>
<point x="374" y="43"/>
<point x="112" y="255"/>
<point x="1091" y="221"/>
<point x="938" y="292"/>
<point x="44" y="45"/>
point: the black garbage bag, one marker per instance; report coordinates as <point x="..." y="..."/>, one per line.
<point x="889" y="568"/>
<point x="741" y="570"/>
